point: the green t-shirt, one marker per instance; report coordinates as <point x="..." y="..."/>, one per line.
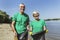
<point x="20" y="22"/>
<point x="37" y="26"/>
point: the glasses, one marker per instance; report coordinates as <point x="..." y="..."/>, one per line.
<point x="36" y="16"/>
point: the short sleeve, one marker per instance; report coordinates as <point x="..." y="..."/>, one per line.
<point x="14" y="17"/>
<point x="44" y="24"/>
<point x="28" y="19"/>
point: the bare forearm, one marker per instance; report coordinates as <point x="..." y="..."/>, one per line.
<point x="13" y="28"/>
<point x="45" y="28"/>
<point x="29" y="28"/>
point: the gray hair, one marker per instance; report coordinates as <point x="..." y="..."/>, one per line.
<point x="22" y="4"/>
<point x="35" y="12"/>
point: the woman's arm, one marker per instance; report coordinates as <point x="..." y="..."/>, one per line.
<point x="44" y="28"/>
<point x="29" y="28"/>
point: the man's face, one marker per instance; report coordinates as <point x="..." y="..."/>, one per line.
<point x="36" y="16"/>
<point x="22" y="8"/>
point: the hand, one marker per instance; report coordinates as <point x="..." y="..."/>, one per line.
<point x="30" y="33"/>
<point x="46" y="31"/>
<point x="15" y="34"/>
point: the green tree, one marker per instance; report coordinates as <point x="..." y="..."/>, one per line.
<point x="4" y="17"/>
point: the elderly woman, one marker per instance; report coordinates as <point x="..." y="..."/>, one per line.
<point x="38" y="27"/>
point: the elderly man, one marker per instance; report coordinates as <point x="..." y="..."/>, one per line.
<point x="19" y="23"/>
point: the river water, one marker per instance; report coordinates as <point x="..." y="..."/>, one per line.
<point x="54" y="30"/>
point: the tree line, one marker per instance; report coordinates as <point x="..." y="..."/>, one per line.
<point x="4" y="17"/>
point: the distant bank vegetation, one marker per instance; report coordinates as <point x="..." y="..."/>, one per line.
<point x="54" y="19"/>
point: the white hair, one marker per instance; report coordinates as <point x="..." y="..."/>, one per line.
<point x="21" y="4"/>
<point x="35" y="12"/>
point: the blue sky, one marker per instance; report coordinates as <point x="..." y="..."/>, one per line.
<point x="46" y="8"/>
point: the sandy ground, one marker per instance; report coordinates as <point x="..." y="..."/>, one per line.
<point x="6" y="32"/>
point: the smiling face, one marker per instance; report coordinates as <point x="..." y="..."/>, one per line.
<point x="22" y="8"/>
<point x="36" y="16"/>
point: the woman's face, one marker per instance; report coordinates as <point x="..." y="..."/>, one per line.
<point x="36" y="16"/>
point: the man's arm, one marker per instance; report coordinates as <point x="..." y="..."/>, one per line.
<point x="13" y="23"/>
<point x="13" y="28"/>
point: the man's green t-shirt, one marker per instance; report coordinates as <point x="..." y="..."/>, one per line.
<point x="37" y="26"/>
<point x="21" y="21"/>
